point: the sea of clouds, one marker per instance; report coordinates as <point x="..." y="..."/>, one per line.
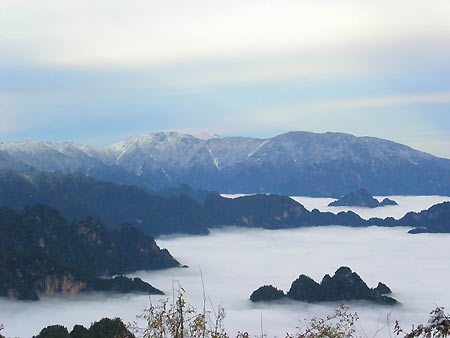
<point x="236" y="261"/>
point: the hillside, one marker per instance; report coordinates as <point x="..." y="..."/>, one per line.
<point x="86" y="244"/>
<point x="294" y="163"/>
<point x="40" y="252"/>
<point x="112" y="204"/>
<point x="81" y="197"/>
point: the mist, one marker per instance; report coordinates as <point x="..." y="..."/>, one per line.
<point x="405" y="205"/>
<point x="236" y="261"/>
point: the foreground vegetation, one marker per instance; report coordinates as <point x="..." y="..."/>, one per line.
<point x="177" y="319"/>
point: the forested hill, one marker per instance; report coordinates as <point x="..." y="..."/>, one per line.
<point x="86" y="244"/>
<point x="81" y="197"/>
<point x="41" y="253"/>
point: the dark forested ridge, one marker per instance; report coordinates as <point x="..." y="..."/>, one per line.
<point x="272" y="212"/>
<point x="434" y="219"/>
<point x="87" y="244"/>
<point x="40" y="252"/>
<point x="81" y="197"/>
<point x="27" y="275"/>
<point x="113" y="204"/>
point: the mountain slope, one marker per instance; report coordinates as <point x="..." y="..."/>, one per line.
<point x="87" y="245"/>
<point x="64" y="157"/>
<point x="80" y="197"/>
<point x="294" y="163"/>
<point x="113" y="204"/>
<point x="41" y="253"/>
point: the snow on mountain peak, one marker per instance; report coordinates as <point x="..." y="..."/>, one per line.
<point x="204" y="135"/>
<point x="205" y="161"/>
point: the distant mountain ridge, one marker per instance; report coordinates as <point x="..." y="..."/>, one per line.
<point x="294" y="163"/>
<point x="112" y="204"/>
<point x="80" y="197"/>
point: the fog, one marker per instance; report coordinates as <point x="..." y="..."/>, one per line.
<point x="236" y="261"/>
<point x="405" y="204"/>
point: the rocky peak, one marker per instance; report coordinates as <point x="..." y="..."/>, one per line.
<point x="344" y="285"/>
<point x="361" y="198"/>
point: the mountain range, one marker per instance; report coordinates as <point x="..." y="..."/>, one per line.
<point x="294" y="163"/>
<point x="41" y="252"/>
<point x="79" y="197"/>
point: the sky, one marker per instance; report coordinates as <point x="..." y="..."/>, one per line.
<point x="97" y="71"/>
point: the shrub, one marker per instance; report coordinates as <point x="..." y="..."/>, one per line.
<point x="341" y="324"/>
<point x="438" y="326"/>
<point x="53" y="331"/>
<point x="177" y="319"/>
<point x="180" y="320"/>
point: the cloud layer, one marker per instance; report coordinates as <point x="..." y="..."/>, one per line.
<point x="235" y="262"/>
<point x="147" y="32"/>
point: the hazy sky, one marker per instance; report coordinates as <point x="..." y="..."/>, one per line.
<point x="97" y="71"/>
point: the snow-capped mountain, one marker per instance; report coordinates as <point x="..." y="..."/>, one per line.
<point x="49" y="156"/>
<point x="64" y="157"/>
<point x="328" y="164"/>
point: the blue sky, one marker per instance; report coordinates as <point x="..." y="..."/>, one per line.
<point x="98" y="71"/>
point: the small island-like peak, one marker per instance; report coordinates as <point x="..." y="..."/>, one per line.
<point x="361" y="198"/>
<point x="344" y="285"/>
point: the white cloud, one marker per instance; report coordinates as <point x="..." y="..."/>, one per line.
<point x="8" y="123"/>
<point x="284" y="115"/>
<point x="266" y="69"/>
<point x="8" y="120"/>
<point x="163" y="62"/>
<point x="379" y="102"/>
<point x="99" y="32"/>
